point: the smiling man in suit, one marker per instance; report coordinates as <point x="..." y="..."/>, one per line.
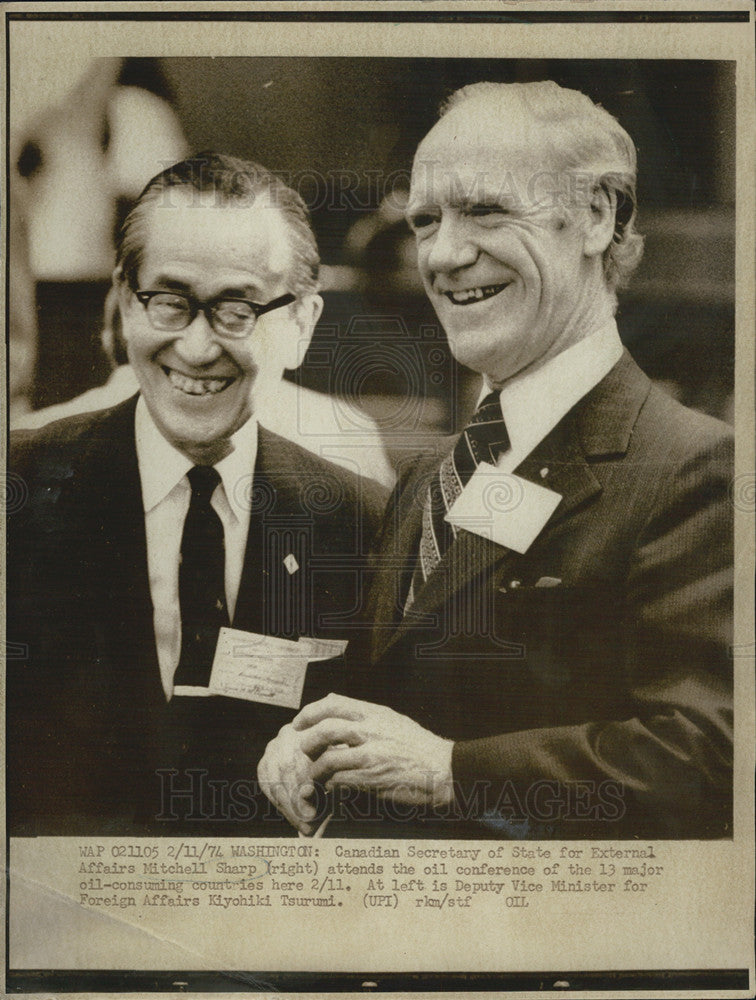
<point x="149" y="526"/>
<point x="551" y="616"/>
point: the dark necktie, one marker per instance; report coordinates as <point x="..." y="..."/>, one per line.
<point x="202" y="592"/>
<point x="482" y="440"/>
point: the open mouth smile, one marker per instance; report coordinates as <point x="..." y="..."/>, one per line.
<point x="471" y="295"/>
<point x="196" y="386"/>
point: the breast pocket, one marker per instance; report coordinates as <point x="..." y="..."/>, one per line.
<point x="561" y="626"/>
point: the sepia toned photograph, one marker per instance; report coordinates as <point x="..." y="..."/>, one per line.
<point x="371" y="496"/>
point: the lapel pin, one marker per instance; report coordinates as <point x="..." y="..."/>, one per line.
<point x="291" y="564"/>
<point x="544" y="472"/>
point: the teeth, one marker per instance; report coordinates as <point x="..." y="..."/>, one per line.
<point x="474" y="294"/>
<point x="196" y="386"/>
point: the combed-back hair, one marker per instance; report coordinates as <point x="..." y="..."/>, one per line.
<point x="233" y="182"/>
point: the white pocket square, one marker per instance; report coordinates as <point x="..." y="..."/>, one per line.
<point x="544" y="581"/>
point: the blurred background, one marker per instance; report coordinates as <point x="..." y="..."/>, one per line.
<point x="343" y="132"/>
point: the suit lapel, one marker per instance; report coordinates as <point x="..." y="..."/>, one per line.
<point x="102" y="502"/>
<point x="472" y="556"/>
<point x="267" y="602"/>
<point x="125" y="587"/>
<point x="559" y="463"/>
<point x="396" y="561"/>
<point x="600" y="425"/>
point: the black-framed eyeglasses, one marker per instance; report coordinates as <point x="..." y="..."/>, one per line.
<point x="229" y="317"/>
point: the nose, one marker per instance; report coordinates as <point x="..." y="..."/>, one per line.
<point x="197" y="343"/>
<point x="451" y="247"/>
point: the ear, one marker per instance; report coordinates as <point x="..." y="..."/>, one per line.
<point x="121" y="289"/>
<point x="599" y="227"/>
<point x="306" y="312"/>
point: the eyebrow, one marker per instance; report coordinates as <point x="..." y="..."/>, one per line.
<point x="172" y="283"/>
<point x="500" y="199"/>
<point x="420" y="207"/>
<point x="488" y="199"/>
<point x="249" y="292"/>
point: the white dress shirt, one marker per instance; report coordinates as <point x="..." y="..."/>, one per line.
<point x="165" y="495"/>
<point x="534" y="402"/>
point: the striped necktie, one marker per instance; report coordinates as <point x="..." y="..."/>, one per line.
<point x="482" y="440"/>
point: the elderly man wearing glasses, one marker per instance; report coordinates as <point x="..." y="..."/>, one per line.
<point x="148" y="527"/>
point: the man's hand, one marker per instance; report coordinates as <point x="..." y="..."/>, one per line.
<point x="344" y="743"/>
<point x="285" y="775"/>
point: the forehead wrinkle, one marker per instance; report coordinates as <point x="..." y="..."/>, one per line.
<point x="253" y="244"/>
<point x="494" y="140"/>
<point x="464" y="188"/>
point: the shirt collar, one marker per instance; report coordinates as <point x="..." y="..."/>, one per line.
<point x="237" y="469"/>
<point x="162" y="467"/>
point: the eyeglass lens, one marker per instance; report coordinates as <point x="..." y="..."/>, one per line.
<point x="169" y="311"/>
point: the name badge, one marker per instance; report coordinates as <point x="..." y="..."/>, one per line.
<point x="264" y="668"/>
<point x="503" y="508"/>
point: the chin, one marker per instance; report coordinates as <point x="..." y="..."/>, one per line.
<point x="499" y="357"/>
<point x="206" y="443"/>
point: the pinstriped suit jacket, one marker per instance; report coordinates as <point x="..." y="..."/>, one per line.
<point x="599" y="705"/>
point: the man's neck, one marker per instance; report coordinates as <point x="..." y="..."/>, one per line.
<point x="584" y="323"/>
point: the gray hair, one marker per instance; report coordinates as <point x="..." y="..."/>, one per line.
<point x="587" y="136"/>
<point x="232" y="181"/>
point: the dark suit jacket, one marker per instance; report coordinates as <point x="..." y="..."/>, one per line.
<point x="91" y="739"/>
<point x="601" y="705"/>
